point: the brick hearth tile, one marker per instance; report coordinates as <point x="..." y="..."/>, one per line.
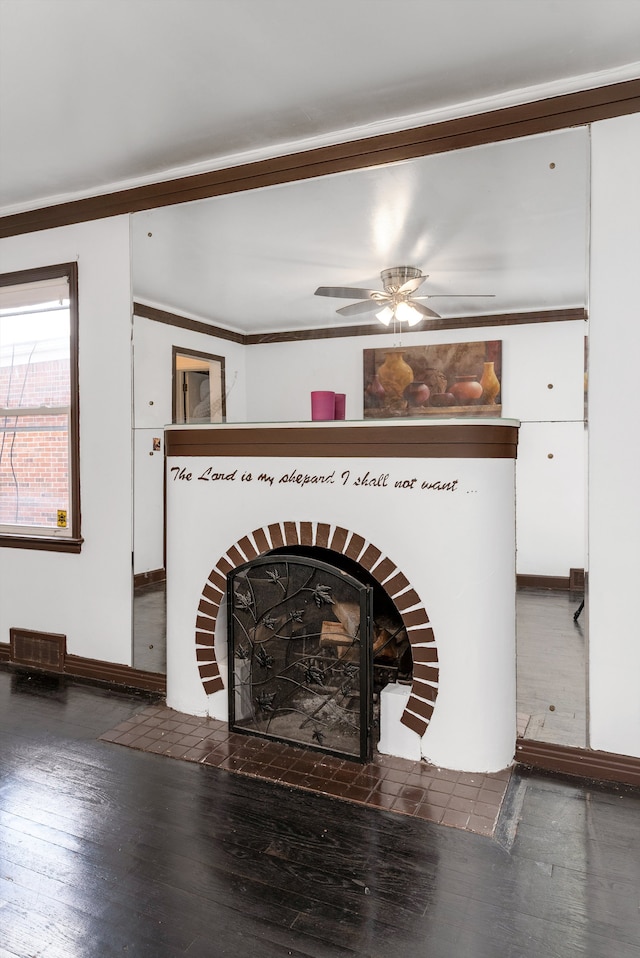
<point x="429" y="812"/>
<point x="344" y="774"/>
<point x="480" y="825"/>
<point x="485" y="810"/>
<point x="445" y="774"/>
<point x="490" y="796"/>
<point x="438" y="799"/>
<point x="471" y="778"/>
<point x="396" y="775"/>
<point x="177" y="750"/>
<point x="232" y="764"/>
<point x="441" y="785"/>
<point x="370" y="775"/>
<point x="392" y="761"/>
<point x="412" y="794"/>
<point x="389" y="788"/>
<point x="334" y="788"/>
<point x="503" y="775"/>
<point x="460" y="804"/>
<point x="457" y="819"/>
<point x="493" y="784"/>
<point x="356" y="793"/>
<point x="465" y="791"/>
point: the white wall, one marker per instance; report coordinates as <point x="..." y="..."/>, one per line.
<point x="614" y="438"/>
<point x="153" y="374"/>
<point x="550" y="492"/>
<point x="87" y="597"/>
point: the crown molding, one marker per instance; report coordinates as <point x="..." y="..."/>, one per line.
<point x="467" y="108"/>
<point x="510" y="122"/>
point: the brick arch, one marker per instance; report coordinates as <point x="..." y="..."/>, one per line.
<point x="424" y="689"/>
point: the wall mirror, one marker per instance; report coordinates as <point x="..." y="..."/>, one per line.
<point x="508" y="219"/>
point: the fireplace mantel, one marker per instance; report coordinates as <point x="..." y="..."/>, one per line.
<point x="444" y="439"/>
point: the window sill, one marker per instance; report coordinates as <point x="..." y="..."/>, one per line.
<point x="44" y="543"/>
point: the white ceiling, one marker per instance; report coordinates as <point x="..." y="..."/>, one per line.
<point x="493" y="219"/>
<point x="97" y="95"/>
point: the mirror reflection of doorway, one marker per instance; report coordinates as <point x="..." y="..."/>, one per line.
<point x="198" y="387"/>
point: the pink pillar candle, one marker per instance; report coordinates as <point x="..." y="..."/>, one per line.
<point x="323" y="405"/>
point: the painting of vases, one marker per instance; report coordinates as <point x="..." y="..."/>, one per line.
<point x="446" y="379"/>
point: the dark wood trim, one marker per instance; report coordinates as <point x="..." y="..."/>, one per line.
<point x="112" y="673"/>
<point x="146" y="578"/>
<point x="424" y="441"/>
<point x="182" y="322"/>
<point x="72" y="543"/>
<point x="372" y="329"/>
<point x="540" y="116"/>
<point x="115" y="674"/>
<point x="43" y="543"/>
<point x="427" y="325"/>
<point x="580" y="762"/>
<point x="559" y="583"/>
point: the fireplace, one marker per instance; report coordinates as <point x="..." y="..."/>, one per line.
<point x="420" y="516"/>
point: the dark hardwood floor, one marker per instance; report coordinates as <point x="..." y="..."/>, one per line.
<point x="108" y="851"/>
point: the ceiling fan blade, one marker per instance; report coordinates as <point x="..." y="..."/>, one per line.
<point x="412" y="284"/>
<point x="346" y="292"/>
<point x="367" y="306"/>
<point x="457" y="296"/>
<point x="424" y="310"/>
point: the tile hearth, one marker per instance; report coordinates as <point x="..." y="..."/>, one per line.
<point x="459" y="799"/>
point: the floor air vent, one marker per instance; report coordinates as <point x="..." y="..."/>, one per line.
<point x="39" y="650"/>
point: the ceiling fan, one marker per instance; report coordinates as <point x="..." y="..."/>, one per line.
<point x="396" y="301"/>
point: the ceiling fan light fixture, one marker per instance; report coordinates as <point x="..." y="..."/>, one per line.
<point x="405" y="313"/>
<point x="385" y="315"/>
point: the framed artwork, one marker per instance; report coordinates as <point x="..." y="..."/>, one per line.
<point x="445" y="379"/>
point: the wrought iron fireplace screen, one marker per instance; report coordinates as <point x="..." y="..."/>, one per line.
<point x="300" y="659"/>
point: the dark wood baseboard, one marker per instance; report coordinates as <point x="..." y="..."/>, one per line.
<point x="146" y="578"/>
<point x="579" y="762"/>
<point x="557" y="583"/>
<point x="110" y="673"/>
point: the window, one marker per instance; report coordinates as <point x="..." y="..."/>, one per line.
<point x="39" y="481"/>
<point x="198" y="387"/>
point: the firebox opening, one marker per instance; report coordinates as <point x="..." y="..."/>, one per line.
<point x="392" y="659"/>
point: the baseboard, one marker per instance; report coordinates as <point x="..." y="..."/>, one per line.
<point x="146" y="578"/>
<point x="574" y="582"/>
<point x="111" y="673"/>
<point x="579" y="762"/>
<point x="557" y="583"/>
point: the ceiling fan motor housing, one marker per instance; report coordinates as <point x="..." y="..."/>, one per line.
<point x="396" y="276"/>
